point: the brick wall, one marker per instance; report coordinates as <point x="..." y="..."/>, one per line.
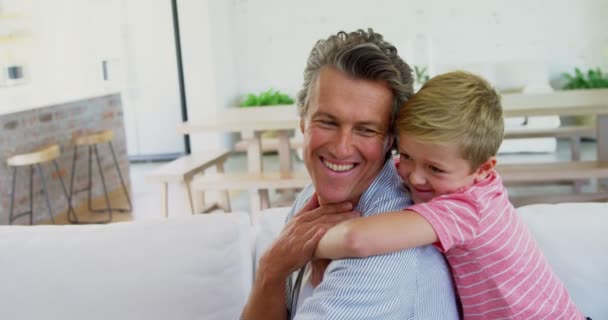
<point x="32" y="129"/>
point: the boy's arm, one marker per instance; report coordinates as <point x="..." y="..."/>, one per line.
<point x="379" y="234"/>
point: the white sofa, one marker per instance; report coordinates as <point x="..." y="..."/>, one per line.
<point x="201" y="267"/>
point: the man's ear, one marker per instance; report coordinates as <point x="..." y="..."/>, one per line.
<point x="302" y="125"/>
<point x="485" y="169"/>
<point x="388" y="142"/>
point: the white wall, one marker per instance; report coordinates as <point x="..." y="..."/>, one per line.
<point x="61" y="48"/>
<point x="273" y="37"/>
<point x="207" y="29"/>
<point x="151" y="93"/>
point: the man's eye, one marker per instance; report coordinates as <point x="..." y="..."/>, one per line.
<point x="367" y="131"/>
<point x="326" y="122"/>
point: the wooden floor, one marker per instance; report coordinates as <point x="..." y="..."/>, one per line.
<point x="117" y="200"/>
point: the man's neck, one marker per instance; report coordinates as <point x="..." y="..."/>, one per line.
<point x="353" y="201"/>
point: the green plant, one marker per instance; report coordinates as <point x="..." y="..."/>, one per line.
<point x="594" y="78"/>
<point x="420" y="75"/>
<point x="269" y="97"/>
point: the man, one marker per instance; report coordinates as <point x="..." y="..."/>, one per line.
<point x="353" y="86"/>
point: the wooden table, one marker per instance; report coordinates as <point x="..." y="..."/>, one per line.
<point x="252" y="132"/>
<point x="251" y="123"/>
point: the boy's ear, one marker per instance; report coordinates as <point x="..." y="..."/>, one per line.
<point x="302" y="124"/>
<point x="485" y="168"/>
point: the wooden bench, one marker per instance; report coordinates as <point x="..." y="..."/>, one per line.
<point x="536" y="173"/>
<point x="258" y="184"/>
<point x="559" y="132"/>
<point x="553" y="171"/>
<point x="183" y="170"/>
<point x="574" y="133"/>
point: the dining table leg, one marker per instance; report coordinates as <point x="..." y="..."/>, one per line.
<point x="284" y="150"/>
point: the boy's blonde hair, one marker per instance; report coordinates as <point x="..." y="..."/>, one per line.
<point x="456" y="107"/>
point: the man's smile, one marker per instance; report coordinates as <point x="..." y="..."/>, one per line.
<point x="338" y="167"/>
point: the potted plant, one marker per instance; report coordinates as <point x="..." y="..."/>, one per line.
<point x="269" y="104"/>
<point x="269" y="97"/>
<point x="592" y="79"/>
<point x="421" y="76"/>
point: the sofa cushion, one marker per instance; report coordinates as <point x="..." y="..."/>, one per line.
<point x="574" y="238"/>
<point x="269" y="224"/>
<point x="196" y="267"/>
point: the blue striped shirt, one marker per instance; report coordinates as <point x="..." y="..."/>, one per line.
<point x="408" y="284"/>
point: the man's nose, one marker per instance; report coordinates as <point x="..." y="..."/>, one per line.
<point x="343" y="143"/>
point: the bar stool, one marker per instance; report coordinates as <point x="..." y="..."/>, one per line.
<point x="35" y="159"/>
<point x="92" y="140"/>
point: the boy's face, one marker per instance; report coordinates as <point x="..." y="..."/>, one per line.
<point x="431" y="170"/>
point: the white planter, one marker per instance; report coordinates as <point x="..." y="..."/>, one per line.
<point x="262" y="113"/>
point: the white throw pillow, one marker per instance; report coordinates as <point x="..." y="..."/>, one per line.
<point x="196" y="267"/>
<point x="574" y="238"/>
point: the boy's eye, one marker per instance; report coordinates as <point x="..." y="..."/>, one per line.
<point x="436" y="170"/>
<point x="404" y="156"/>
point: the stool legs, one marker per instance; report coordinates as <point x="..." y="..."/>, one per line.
<point x="30" y="213"/>
<point x="31" y="195"/>
<point x="72" y="219"/>
<point x="10" y="212"/>
<point x="46" y="193"/>
<point x="122" y="181"/>
<point x="71" y="213"/>
<point x="108" y="209"/>
<point x="103" y="183"/>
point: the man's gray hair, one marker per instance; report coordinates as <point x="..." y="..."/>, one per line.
<point x="363" y="55"/>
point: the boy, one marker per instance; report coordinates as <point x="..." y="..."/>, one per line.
<point x="448" y="137"/>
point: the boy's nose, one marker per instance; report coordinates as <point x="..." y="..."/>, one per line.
<point x="416" y="178"/>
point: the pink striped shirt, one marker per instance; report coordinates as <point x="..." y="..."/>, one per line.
<point x="498" y="269"/>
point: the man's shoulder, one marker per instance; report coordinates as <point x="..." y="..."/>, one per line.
<point x="393" y="281"/>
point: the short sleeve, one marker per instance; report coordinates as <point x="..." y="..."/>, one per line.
<point x="455" y="218"/>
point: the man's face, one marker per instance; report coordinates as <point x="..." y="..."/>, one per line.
<point x="345" y="134"/>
